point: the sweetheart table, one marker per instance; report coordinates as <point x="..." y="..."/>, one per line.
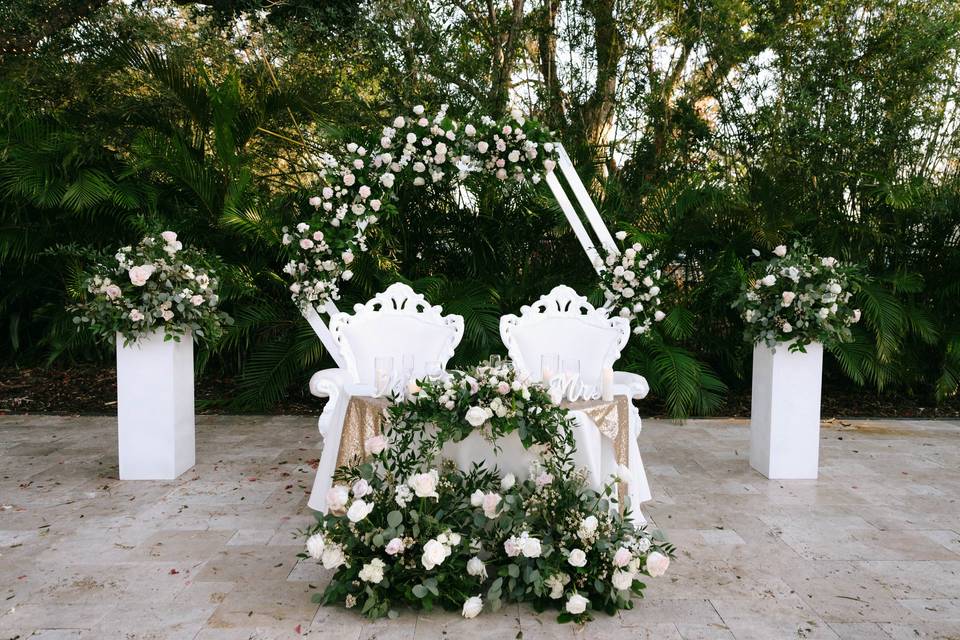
<point x="601" y="435"/>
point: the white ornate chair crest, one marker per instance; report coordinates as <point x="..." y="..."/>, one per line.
<point x="395" y="322"/>
<point x="565" y="323"/>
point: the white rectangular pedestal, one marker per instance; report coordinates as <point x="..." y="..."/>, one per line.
<point x="155" y="407"/>
<point x="785" y="411"/>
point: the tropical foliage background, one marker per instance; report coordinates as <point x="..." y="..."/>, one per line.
<point x="711" y="127"/>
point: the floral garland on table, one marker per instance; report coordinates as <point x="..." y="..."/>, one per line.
<point x="493" y="400"/>
<point x="402" y="529"/>
<point x="799" y="297"/>
<point x="358" y="188"/>
<point x="157" y="284"/>
<point x="631" y="284"/>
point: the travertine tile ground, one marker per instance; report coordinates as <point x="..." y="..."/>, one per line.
<point x="869" y="551"/>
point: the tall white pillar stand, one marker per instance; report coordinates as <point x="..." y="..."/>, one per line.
<point x="155" y="407"/>
<point x="785" y="411"/>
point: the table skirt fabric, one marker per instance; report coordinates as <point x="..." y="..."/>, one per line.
<point x="605" y="435"/>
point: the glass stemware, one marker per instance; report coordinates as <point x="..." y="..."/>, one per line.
<point x="382" y="374"/>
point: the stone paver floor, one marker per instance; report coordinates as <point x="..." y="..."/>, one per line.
<point x="870" y="551"/>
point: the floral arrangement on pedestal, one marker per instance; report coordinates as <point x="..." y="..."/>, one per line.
<point x="402" y="528"/>
<point x="156" y="285"/>
<point x="800" y="297"/>
<point x="631" y="283"/>
<point x="356" y="188"/>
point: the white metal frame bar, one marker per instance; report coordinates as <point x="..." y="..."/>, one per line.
<point x="323" y="331"/>
<point x="582" y="198"/>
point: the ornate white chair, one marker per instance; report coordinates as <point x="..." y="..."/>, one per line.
<point x="565" y="324"/>
<point x="394" y="323"/>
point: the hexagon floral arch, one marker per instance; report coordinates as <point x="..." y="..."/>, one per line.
<point x="356" y="189"/>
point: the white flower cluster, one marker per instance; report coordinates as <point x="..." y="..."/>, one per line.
<point x="799" y="296"/>
<point x="631" y="284"/>
<point x="493" y="383"/>
<point x="415" y="149"/>
<point x="315" y="271"/>
<point x="152" y="286"/>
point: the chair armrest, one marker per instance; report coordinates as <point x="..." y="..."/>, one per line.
<point x="635" y="384"/>
<point x="328" y="383"/>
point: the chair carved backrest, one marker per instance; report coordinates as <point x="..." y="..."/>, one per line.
<point x="396" y="322"/>
<point x="566" y="324"/>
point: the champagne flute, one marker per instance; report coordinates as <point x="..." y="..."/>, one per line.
<point x="382" y="374"/>
<point x="433" y="369"/>
<point x="549" y="367"/>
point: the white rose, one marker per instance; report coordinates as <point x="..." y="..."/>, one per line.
<point x="359" y="510"/>
<point x="654" y="290"/>
<point x="622" y="557"/>
<point x="577" y="558"/>
<point x="113" y="291"/>
<point x="418" y="109"/>
<point x="475" y="567"/>
<point x="327" y="192"/>
<point x="361" y="488"/>
<point x="507" y="482"/>
<point x="399" y="122"/>
<point x="372" y="572"/>
<point x="387" y="179"/>
<point x="140" y="274"/>
<point x="856" y="315"/>
<point x="169" y="236"/>
<point x="476" y="498"/>
<point x="621" y="235"/>
<point x="424" y="485"/>
<point x="659" y="315"/>
<point x="434" y="553"/>
<point x="476" y="416"/>
<point x="196" y="300"/>
<point x="349" y="179"/>
<point x="530" y="547"/>
<point x="577" y="604"/>
<point x="512" y="547"/>
<point x="828" y="262"/>
<point x="657" y="564"/>
<point x="787" y="328"/>
<point x="780" y="250"/>
<point x="470" y="130"/>
<point x="769" y="280"/>
<point x="306" y="243"/>
<point x="315" y="201"/>
<point x="490" y="503"/>
<point x="482" y="146"/>
<point x="333" y="556"/>
<point x="375" y="444"/>
<point x="788" y="298"/>
<point x="549" y="165"/>
<point x="315" y="546"/>
<point x="394" y="547"/>
<point x="347" y="257"/>
<point x="643" y="544"/>
<point x="364" y="191"/>
<point x="622" y="580"/>
<point x="346" y="275"/>
<point x="472" y="607"/>
<point x="337" y="497"/>
<point x="136" y="315"/>
<point x="835" y="288"/>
